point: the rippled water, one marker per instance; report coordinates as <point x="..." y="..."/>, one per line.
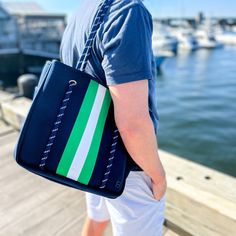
<point x="197" y="107"/>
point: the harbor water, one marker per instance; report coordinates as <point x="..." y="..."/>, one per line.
<point x="197" y="107"/>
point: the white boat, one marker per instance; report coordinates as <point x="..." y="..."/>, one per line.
<point x="186" y="39"/>
<point x="206" y="39"/>
<point x="164" y="44"/>
<point x="226" y="36"/>
<point x="162" y="41"/>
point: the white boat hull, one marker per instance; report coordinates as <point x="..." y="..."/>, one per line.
<point x="165" y="46"/>
<point x="188" y="46"/>
<point x="226" y="38"/>
<point x="210" y="45"/>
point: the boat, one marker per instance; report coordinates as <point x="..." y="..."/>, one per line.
<point x="186" y="39"/>
<point x="162" y="41"/>
<point x="207" y="40"/>
<point x="29" y="36"/>
<point x="161" y="57"/>
<point x="225" y="36"/>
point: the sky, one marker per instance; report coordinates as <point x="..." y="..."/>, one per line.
<point x="158" y="8"/>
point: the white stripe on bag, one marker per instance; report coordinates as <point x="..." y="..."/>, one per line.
<point x="84" y="146"/>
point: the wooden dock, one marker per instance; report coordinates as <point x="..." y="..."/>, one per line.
<point x="200" y="201"/>
<point x="31" y="205"/>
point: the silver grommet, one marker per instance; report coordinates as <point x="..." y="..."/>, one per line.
<point x="72" y="82"/>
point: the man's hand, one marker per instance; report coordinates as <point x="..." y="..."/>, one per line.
<point x="159" y="188"/>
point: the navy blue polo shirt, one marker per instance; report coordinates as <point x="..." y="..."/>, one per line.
<point x="122" y="49"/>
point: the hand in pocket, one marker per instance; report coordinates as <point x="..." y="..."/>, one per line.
<point x="159" y="189"/>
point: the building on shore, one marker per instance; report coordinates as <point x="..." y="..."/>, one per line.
<point x="29" y="36"/>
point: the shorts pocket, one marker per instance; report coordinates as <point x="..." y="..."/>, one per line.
<point x="148" y="181"/>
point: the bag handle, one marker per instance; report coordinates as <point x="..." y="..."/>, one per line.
<point x="81" y="66"/>
<point x="103" y="8"/>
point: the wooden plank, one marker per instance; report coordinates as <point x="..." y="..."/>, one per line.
<point x="29" y="202"/>
<point x="40" y="218"/>
<point x="171" y="233"/>
<point x="168" y="232"/>
<point x="6" y="152"/>
<point x="199" y="212"/>
<point x="23" y="197"/>
<point x="5" y="128"/>
<point x="65" y="219"/>
<point x="5" y="96"/>
<point x="7" y="145"/>
<point x="16" y="192"/>
<point x="9" y="138"/>
<point x="75" y="227"/>
<point x="15" y="111"/>
<point x="218" y="195"/>
<point x="195" y="204"/>
<point x="49" y="214"/>
<point x="10" y="169"/>
<point x="192" y="226"/>
<point x="195" y="174"/>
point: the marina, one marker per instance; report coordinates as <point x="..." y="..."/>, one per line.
<point x="176" y="36"/>
<point x="30" y="35"/>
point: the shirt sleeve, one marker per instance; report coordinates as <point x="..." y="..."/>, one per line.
<point x="127" y="46"/>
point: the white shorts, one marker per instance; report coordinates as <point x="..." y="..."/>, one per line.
<point x="135" y="212"/>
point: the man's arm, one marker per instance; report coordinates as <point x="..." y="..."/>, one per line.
<point x="137" y="130"/>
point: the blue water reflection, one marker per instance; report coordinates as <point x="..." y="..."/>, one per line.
<point x="197" y="107"/>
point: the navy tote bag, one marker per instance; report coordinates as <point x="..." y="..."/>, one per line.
<point x="69" y="135"/>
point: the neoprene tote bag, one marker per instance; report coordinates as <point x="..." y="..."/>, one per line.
<point x="69" y="135"/>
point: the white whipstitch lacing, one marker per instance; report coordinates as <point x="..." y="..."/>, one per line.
<point x="56" y="126"/>
<point x="110" y="160"/>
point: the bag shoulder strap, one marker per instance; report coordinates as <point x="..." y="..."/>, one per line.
<point x="102" y="10"/>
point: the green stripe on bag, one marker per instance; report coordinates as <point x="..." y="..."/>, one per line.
<point x="78" y="130"/>
<point x="91" y="158"/>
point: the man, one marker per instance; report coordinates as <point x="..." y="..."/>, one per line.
<point x="122" y="57"/>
